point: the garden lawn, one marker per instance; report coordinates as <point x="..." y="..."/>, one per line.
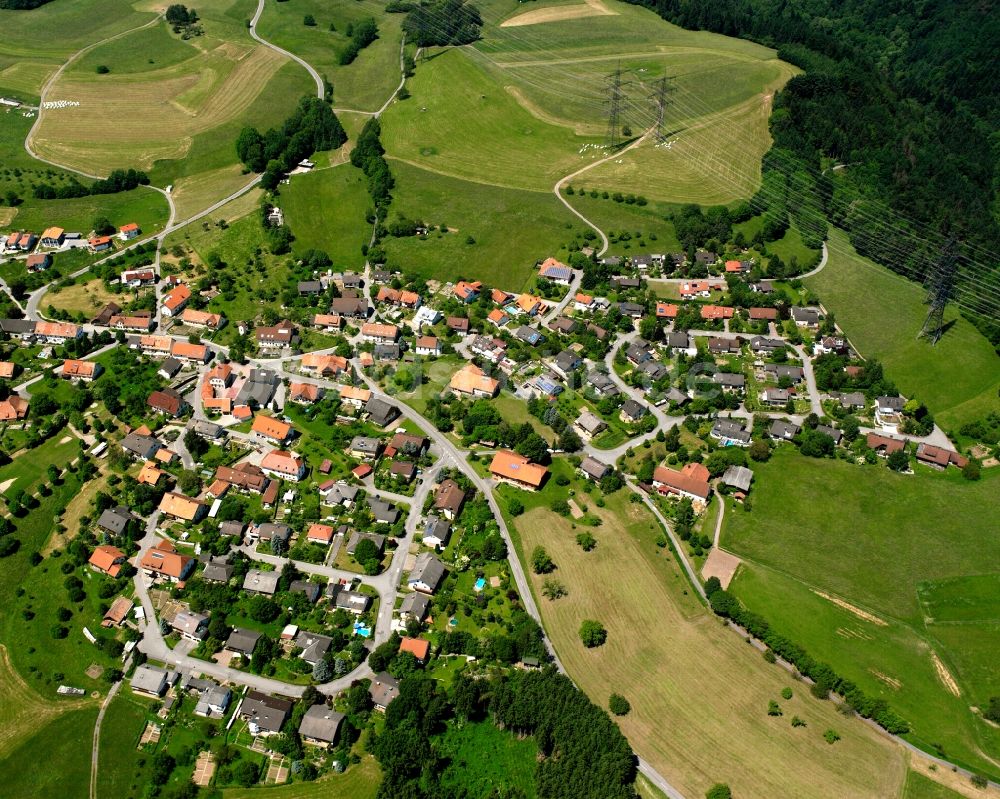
<point x="511" y="229"/>
<point x="694" y="686"/>
<point x="882" y="313"/>
<point x="326" y="211"/>
<point x="894" y="547"/>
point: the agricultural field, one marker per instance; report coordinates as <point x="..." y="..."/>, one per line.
<point x="833" y="559"/>
<point x="958" y="378"/>
<point x="920" y="787"/>
<point x="124" y="721"/>
<point x="30" y="53"/>
<point x="695" y="688"/>
<point x="170" y="106"/>
<point x="28" y="776"/>
<point x="147" y="208"/>
<point x="326" y="211"/>
<point x="511" y="229"/>
<point x="371" y="78"/>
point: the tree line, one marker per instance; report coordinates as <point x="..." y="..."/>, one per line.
<point x="825" y="679"/>
<point x="448" y="22"/>
<point x="119" y="180"/>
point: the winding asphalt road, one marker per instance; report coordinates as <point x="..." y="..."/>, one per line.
<point x="320" y="87"/>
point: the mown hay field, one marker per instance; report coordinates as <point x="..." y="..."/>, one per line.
<point x="699" y="694"/>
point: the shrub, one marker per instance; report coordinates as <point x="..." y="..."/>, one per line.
<point x="102" y="69"/>
<point x="773" y="708"/>
<point x="586" y="541"/>
<point x="831" y="736"/>
<point x="786" y="693"/>
<point x="592" y="633"/>
<point x="58" y="631"/>
<point x="797" y="722"/>
<point x="618" y="705"/>
<point x="541" y="563"/>
<point x="719" y="791"/>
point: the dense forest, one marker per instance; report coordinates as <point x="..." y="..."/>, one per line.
<point x="583" y="754"/>
<point x="903" y="95"/>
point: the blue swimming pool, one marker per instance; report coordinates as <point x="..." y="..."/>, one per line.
<point x="480" y="584"/>
<point x="362" y="630"/>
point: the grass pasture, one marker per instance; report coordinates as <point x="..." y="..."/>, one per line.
<point x="829" y="532"/>
<point x="920" y="787"/>
<point x="512" y="229"/>
<point x="649" y="220"/>
<point x="124" y="721"/>
<point x="882" y="312"/>
<point x="364" y="84"/>
<point x="326" y="210"/>
<point x="145" y="207"/>
<point x="694" y="687"/>
<point x="65" y="770"/>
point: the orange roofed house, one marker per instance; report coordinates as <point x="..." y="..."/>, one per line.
<point x="175" y="301"/>
<point x="518" y="471"/>
<point x="202" y="319"/>
<point x="186" y="351"/>
<point x="267" y="428"/>
<point x="13" y="408"/>
<point x="690" y="482"/>
<point x="84" y="371"/>
<point x="164" y="562"/>
<point x="473" y="381"/>
<point x="182" y="507"/>
<point x="418" y="647"/>
<point x="283" y="465"/>
<point x="107" y="560"/>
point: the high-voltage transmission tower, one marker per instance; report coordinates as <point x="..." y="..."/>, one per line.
<point x="941" y="285"/>
<point x="615" y="101"/>
<point x="660" y="98"/>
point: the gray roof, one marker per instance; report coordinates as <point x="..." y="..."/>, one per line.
<point x="758" y="343"/>
<point x="893" y="403"/>
<point x="594" y="468"/>
<point x="366" y="444"/>
<point x="314" y="646"/>
<point x="779" y="370"/>
<point x="190" y="623"/>
<point x="354" y="601"/>
<point x="782" y="429"/>
<point x="602" y="383"/>
<point x="140" y="445"/>
<point x="654" y="370"/>
<point x="673" y="394"/>
<point x="437" y="527"/>
<point x="242" y="640"/>
<point x="528" y="334"/>
<point x="383" y="689"/>
<point x="567" y="359"/>
<point x="808" y="315"/>
<point x="268" y="712"/>
<point x="310" y="287"/>
<point x="17" y="326"/>
<point x="258" y="389"/>
<point x="358" y="537"/>
<point x="149" y="679"/>
<point x="633" y="409"/>
<point x="383" y="511"/>
<point x="268" y="530"/>
<point x="415" y="605"/>
<point x="311" y="590"/>
<point x="387" y="352"/>
<point x="261" y="582"/>
<point x="349" y="306"/>
<point x="729" y="428"/>
<point x="114" y="520"/>
<point x="678" y="339"/>
<point x="170" y="366"/>
<point x="380" y="411"/>
<point x="205" y="428"/>
<point x="427" y="570"/>
<point x="231" y="527"/>
<point x="833" y="432"/>
<point x="631" y="309"/>
<point x="589" y="422"/>
<point x="738" y="477"/>
<point x="217" y="572"/>
<point x="321" y="724"/>
<point x="638" y="351"/>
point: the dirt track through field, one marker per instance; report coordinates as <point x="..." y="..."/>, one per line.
<point x="944" y="675"/>
<point x="861" y="614"/>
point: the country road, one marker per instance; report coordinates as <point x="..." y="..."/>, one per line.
<point x="320" y="86"/>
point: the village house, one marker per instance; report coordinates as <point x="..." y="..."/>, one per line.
<point x="380" y="412"/>
<point x="467" y="292"/>
<point x="427" y="345"/>
<point x="212" y="321"/>
<point x="420" y="648"/>
<point x="167" y="401"/>
<point x="472" y="381"/>
<point x="152" y="345"/>
<point x="779" y="371"/>
<point x="134" y="278"/>
<point x="593" y="469"/>
<point x="724" y="346"/>
<point x="276" y="337"/>
<point x="379" y="333"/>
<point x="53" y="237"/>
<point x="690" y="482"/>
<point x="516" y="470"/>
<point x="884" y="446"/>
<point x="169" y="368"/>
<point x="129" y="231"/>
<point x="714" y="312"/>
<point x="99" y="243"/>
<point x="344" y="599"/>
<point x="320" y="533"/>
<point x="175" y="300"/>
<point x="81" y="371"/>
<point x="261" y="582"/>
<point x="182" y="507"/>
<point x="192" y="626"/>
<point x="149" y="681"/>
<point x="775" y="396"/>
<point x="806" y="317"/>
<point x="267" y="428"/>
<point x="763" y="314"/>
<point x="320" y="725"/>
<point x="529" y="304"/>
<point x="888" y="413"/>
<point x="555" y="272"/>
<point x="782" y="430"/>
<point x="350" y="307"/>
<point x="324" y="365"/>
<point x="588" y="425"/>
<point x="107" y="559"/>
<point x="13" y="408"/>
<point x="242" y="642"/>
<point x="354" y="396"/>
<point x="632" y="411"/>
<point x="283" y="465"/>
<point x="938" y="457"/>
<point x="437" y="531"/>
<point x="603" y="385"/>
<point x="426" y="574"/>
<point x="761" y="344"/>
<point x="833" y="432"/>
<point x="304" y="393"/>
<point x="164" y="562"/>
<point x="329" y="323"/>
<point x="265" y="715"/>
<point x="38" y="262"/>
<point x="365" y="447"/>
<point x="458" y="325"/>
<point x="134" y="323"/>
<point x="730" y="433"/>
<point x="141" y="446"/>
<point x="449" y="498"/>
<point x="497" y="318"/>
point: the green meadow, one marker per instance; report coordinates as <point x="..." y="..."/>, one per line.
<point x="902" y="554"/>
<point x="882" y="312"/>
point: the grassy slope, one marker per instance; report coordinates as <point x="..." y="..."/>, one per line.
<point x="145" y="207"/>
<point x="364" y="84"/>
<point x="850" y="532"/>
<point x="694" y="687"/>
<point x="358" y="782"/>
<point x="882" y="313"/>
<point x="60" y="754"/>
<point x="124" y="721"/>
<point x="326" y="210"/>
<point x="512" y="229"/>
<point x="611" y="216"/>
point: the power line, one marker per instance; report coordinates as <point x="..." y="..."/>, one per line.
<point x="659" y="98"/>
<point x="942" y="281"/>
<point x="615" y="101"/>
